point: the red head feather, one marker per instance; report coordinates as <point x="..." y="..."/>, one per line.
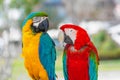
<point x="82" y="37"/>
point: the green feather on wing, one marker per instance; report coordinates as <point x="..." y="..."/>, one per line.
<point x="93" y="66"/>
<point x="65" y="65"/>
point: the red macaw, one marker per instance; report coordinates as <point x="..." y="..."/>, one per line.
<point x="80" y="58"/>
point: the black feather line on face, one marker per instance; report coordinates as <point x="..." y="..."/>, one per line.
<point x="42" y="27"/>
<point x="34" y="29"/>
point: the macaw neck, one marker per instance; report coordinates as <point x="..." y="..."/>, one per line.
<point x="78" y="45"/>
<point x="26" y="27"/>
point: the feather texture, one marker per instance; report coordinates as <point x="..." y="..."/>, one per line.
<point x="38" y="51"/>
<point x="80" y="60"/>
<point x="93" y="62"/>
<point x="65" y="65"/>
<point x="30" y="53"/>
<point x="47" y="55"/>
<point x="93" y="66"/>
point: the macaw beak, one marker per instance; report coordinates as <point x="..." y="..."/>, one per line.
<point x="43" y="26"/>
<point x="67" y="39"/>
<point x="40" y="26"/>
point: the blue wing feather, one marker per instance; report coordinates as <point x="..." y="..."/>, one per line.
<point x="47" y="55"/>
<point x="65" y="66"/>
<point x="93" y="66"/>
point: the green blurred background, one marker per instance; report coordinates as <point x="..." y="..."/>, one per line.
<point x="100" y="18"/>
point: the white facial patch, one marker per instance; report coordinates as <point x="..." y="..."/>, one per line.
<point x="71" y="33"/>
<point x="38" y="20"/>
<point x="36" y="24"/>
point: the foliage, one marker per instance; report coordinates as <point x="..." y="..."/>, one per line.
<point x="27" y="5"/>
<point x="99" y="38"/>
<point x="107" y="48"/>
<point x="1" y="1"/>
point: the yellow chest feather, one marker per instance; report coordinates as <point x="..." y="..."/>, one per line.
<point x="30" y="53"/>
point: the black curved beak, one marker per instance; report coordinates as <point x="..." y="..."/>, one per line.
<point x="67" y="39"/>
<point x="42" y="27"/>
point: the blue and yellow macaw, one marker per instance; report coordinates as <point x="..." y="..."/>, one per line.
<point x="38" y="49"/>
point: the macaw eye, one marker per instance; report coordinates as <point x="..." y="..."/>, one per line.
<point x="39" y="19"/>
<point x="71" y="30"/>
<point x="36" y="19"/>
<point x="42" y="18"/>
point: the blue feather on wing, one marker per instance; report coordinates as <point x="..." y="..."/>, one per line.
<point x="65" y="66"/>
<point x="93" y="66"/>
<point x="47" y="55"/>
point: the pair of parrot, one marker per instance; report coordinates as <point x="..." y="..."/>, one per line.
<point x="80" y="58"/>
